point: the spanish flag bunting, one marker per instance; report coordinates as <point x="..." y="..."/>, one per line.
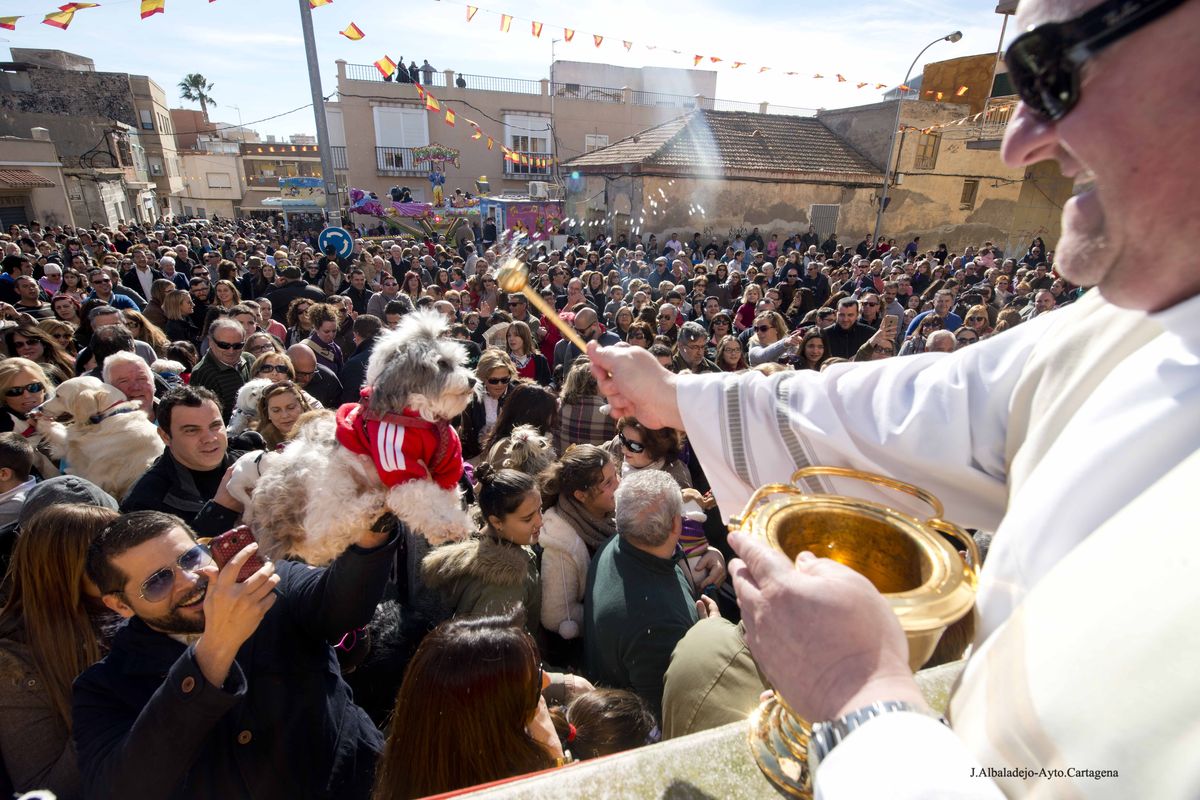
<point x="904" y="87"/>
<point x="352" y="32"/>
<point x="385" y="66"/>
<point x="818" y="76"/>
<point x="841" y="78"/>
<point x="939" y="95"/>
<point x="961" y="91"/>
<point x="505" y="22"/>
<point x="536" y="28"/>
<point x="490" y="143"/>
<point x="450" y="117"/>
<point x="152" y="7"/>
<point x="714" y="59"/>
<point x="431" y="103"/>
<point x="763" y="69"/>
<point x="478" y="134"/>
<point x="696" y="60"/>
<point x="881" y="86"/>
<point x="420" y="91"/>
<point x="860" y="85"/>
<point x="77" y="6"/>
<point x="524" y="159"/>
<point x="318" y="3"/>
<point x="737" y="64"/>
<point x="568" y="34"/>
<point x="628" y="46"/>
<point x="59" y="19"/>
<point x="471" y="12"/>
<point x="9" y="23"/>
<point x="597" y="39"/>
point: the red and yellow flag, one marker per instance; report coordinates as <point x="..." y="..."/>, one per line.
<point x="152" y="7"/>
<point x="696" y="60"/>
<point x="77" y="6"/>
<point x="597" y="39"/>
<point x="881" y="86"/>
<point x="568" y="34"/>
<point x="450" y="117"/>
<point x="471" y="12"/>
<point x="490" y="143"/>
<point x="841" y="78"/>
<point x="420" y="91"/>
<point x="9" y="23"/>
<point x="628" y="46"/>
<point x="714" y="59"/>
<point x="478" y="134"/>
<point x="385" y="66"/>
<point x="431" y="103"/>
<point x="352" y="32"/>
<point x="961" y="91"/>
<point x="737" y="64"/>
<point x="860" y="84"/>
<point x="763" y="69"/>
<point x="505" y="22"/>
<point x="59" y="19"/>
<point x="318" y="3"/>
<point x="536" y="29"/>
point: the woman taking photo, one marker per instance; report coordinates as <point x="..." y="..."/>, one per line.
<point x="496" y="570"/>
<point x="469" y="711"/>
<point x="52" y="627"/>
<point x="530" y="363"/>
<point x="771" y="341"/>
<point x="178" y="308"/>
<point x="495" y="373"/>
<point x="38" y="346"/>
<point x="278" y="409"/>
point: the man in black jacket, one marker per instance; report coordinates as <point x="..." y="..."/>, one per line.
<point x="217" y="688"/>
<point x="847" y="334"/>
<point x="354" y="371"/>
<point x="293" y="287"/>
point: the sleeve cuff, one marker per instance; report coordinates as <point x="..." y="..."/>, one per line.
<point x="188" y="684"/>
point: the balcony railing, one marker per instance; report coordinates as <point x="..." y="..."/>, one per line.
<point x="339" y="158"/>
<point x="996" y="114"/>
<point x="488" y="83"/>
<point x="396" y="161"/>
<point x="581" y="91"/>
<point x="924" y="161"/>
<point x="519" y="170"/>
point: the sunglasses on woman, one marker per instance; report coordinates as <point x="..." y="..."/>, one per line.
<point x="762" y="328"/>
<point x="280" y="368"/>
<point x="158" y="586"/>
<point x="1045" y="62"/>
<point x="633" y="447"/>
<point x="32" y="388"/>
<point x="498" y="381"/>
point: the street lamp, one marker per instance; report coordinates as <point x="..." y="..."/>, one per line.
<point x="887" y="173"/>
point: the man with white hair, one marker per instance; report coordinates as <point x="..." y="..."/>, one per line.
<point x="942" y="341"/>
<point x="166" y="266"/>
<point x="130" y="374"/>
<point x="226" y="365"/>
<point x="639" y="603"/>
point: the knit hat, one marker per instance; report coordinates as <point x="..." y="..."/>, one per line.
<point x="64" y="489"/>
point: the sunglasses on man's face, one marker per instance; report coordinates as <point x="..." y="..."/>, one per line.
<point x="633" y="447"/>
<point x="228" y="345"/>
<point x="157" y="587"/>
<point x="32" y="388"/>
<point x="1045" y="62"/>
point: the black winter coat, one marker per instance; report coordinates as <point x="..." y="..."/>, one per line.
<point x="284" y="725"/>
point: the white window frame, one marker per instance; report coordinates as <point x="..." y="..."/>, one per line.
<point x="400" y="127"/>
<point x="219" y="176"/>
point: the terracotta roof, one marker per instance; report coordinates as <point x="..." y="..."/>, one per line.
<point x="23" y="179"/>
<point x="716" y="142"/>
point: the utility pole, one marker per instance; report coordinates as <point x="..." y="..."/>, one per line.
<point x="318" y="97"/>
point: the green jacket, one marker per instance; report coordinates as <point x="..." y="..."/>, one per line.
<point x="712" y="680"/>
<point x="636" y="609"/>
<point x="484" y="575"/>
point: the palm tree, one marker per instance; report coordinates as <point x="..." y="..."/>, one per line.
<point x="195" y="87"/>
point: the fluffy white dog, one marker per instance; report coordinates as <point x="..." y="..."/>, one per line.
<point x="245" y="411"/>
<point x="394" y="450"/>
<point x="109" y="440"/>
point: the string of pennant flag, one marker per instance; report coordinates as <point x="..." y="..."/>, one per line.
<point x="64" y="15"/>
<point x="982" y="115"/>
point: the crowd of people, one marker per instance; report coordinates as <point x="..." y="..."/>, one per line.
<point x="590" y="614"/>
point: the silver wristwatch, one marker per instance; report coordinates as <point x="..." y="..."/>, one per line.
<point x="827" y="735"/>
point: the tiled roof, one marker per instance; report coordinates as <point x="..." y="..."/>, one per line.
<point x="716" y="142"/>
<point x="23" y="179"/>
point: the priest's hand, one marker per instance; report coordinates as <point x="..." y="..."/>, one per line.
<point x="823" y="635"/>
<point x="636" y="385"/>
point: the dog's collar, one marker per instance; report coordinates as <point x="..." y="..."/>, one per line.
<point x="122" y="407"/>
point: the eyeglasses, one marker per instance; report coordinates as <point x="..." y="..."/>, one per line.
<point x="976" y="319"/>
<point x="158" y="586"/>
<point x="228" y="345"/>
<point x="762" y="328"/>
<point x="97" y="281"/>
<point x="967" y="339"/>
<point x="868" y="303"/>
<point x="32" y="388"/>
<point x="1044" y="63"/>
<point x="633" y="447"/>
<point x="498" y="381"/>
<point x="282" y="369"/>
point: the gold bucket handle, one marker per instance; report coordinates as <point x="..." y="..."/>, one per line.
<point x="756" y="499"/>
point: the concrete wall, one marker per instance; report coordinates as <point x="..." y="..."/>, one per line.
<point x="76" y="107"/>
<point x="159" y="143"/>
<point x="199" y="196"/>
<point x="947" y="77"/>
<point x="97" y="201"/>
<point x="188" y="124"/>
<point x="48" y="205"/>
<point x="54" y="59"/>
<point x="668" y="80"/>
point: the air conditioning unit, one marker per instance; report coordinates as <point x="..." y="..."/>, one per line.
<point x="539" y="190"/>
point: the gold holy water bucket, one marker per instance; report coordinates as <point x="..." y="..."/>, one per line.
<point x="919" y="573"/>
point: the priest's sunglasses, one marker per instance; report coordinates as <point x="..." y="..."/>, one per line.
<point x="1045" y="62"/>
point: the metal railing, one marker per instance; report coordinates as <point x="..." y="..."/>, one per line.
<point x="263" y="181"/>
<point x="924" y="160"/>
<point x="593" y="94"/>
<point x="996" y="114"/>
<point x="526" y="169"/>
<point x="662" y="100"/>
<point x="368" y="72"/>
<point x="396" y="161"/>
<point x="488" y="83"/>
<point x="339" y="158"/>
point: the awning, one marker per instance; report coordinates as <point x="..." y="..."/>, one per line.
<point x="23" y="179"/>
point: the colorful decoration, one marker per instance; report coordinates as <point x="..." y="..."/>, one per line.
<point x="386" y="67"/>
<point x="471" y="12"/>
<point x="319" y="3"/>
<point x="352" y="32"/>
<point x="9" y="23"/>
<point x="152" y="7"/>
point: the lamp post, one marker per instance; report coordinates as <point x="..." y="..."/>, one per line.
<point x="328" y="177"/>
<point x="887" y="173"/>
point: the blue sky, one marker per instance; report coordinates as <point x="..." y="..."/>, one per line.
<point x="252" y="49"/>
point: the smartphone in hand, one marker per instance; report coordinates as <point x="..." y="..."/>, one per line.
<point x="229" y="544"/>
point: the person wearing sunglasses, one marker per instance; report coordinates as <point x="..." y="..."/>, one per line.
<point x="1006" y="435"/>
<point x="495" y="374"/>
<point x="23" y="387"/>
<point x="227" y="671"/>
<point x="226" y="365"/>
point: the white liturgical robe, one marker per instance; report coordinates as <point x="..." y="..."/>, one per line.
<point x="1042" y="434"/>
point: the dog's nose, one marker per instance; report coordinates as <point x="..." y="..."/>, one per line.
<point x="472" y="382"/>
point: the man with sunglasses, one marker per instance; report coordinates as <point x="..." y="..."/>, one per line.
<point x="226" y="366"/>
<point x="224" y="688"/>
<point x="102" y="289"/>
<point x="1006" y="433"/>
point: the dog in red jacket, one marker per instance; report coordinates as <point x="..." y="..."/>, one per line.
<point x="394" y="450"/>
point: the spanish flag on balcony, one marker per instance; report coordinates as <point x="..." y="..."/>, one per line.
<point x="431" y="103"/>
<point x="9" y="23"/>
<point x="385" y="66"/>
<point x="352" y="32"/>
<point x="152" y="7"/>
<point x="450" y="117"/>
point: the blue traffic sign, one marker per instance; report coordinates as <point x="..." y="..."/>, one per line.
<point x="337" y="238"/>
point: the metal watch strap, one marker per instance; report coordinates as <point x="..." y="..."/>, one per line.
<point x="827" y="735"/>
